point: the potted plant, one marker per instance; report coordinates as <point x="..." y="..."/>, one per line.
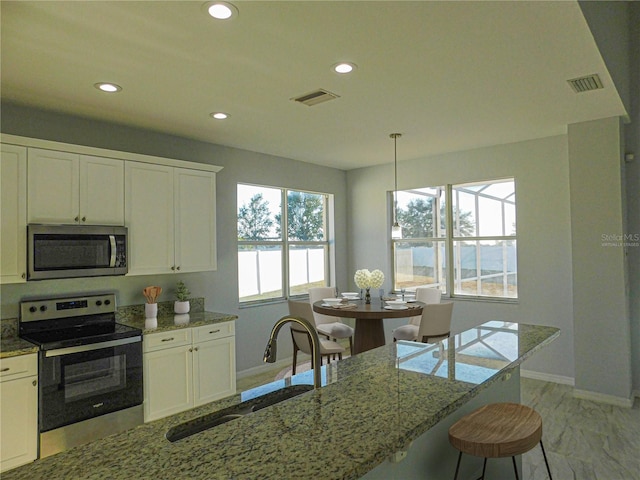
<point x="181" y="305"/>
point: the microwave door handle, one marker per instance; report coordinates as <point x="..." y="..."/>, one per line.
<point x="112" y="241"/>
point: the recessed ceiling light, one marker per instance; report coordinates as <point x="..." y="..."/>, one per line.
<point x="220" y="115"/>
<point x="344" y="67"/>
<point x="221" y="10"/>
<point x="108" y="87"/>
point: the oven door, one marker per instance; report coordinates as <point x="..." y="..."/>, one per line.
<point x="86" y="381"/>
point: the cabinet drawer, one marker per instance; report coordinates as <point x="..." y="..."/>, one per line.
<point x="173" y="338"/>
<point x="213" y="331"/>
<point x="18" y="367"/>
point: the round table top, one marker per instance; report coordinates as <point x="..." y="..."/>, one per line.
<point x="373" y="310"/>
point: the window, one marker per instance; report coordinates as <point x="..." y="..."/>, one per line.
<point x="481" y="245"/>
<point x="272" y="264"/>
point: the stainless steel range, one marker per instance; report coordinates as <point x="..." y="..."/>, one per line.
<point x="89" y="369"/>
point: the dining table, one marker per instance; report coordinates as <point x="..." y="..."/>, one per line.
<point x="369" y="331"/>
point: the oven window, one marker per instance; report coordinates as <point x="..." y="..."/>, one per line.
<point x="53" y="252"/>
<point x="94" y="377"/>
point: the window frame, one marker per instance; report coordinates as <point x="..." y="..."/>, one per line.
<point x="286" y="244"/>
<point x="450" y="240"/>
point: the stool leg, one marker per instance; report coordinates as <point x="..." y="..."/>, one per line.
<point x="457" y="467"/>
<point x="545" y="460"/>
<point x="515" y="467"/>
<point x="484" y="468"/>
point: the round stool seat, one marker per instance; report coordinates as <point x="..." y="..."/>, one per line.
<point x="497" y="430"/>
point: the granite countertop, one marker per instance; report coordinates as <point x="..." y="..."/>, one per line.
<point x="170" y="321"/>
<point x="12" y="346"/>
<point x="373" y="404"/>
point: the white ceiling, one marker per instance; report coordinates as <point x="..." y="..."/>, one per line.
<point x="448" y="75"/>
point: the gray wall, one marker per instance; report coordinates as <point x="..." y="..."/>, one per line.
<point x="220" y="287"/>
<point x="616" y="30"/>
<point x="541" y="171"/>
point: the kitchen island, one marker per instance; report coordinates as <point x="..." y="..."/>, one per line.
<point x="373" y="406"/>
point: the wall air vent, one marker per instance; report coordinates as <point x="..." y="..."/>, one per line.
<point x="315" y="97"/>
<point x="586" y="84"/>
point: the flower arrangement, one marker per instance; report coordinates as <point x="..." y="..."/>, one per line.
<point x="366" y="279"/>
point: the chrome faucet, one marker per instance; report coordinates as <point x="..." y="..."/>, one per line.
<point x="272" y="345"/>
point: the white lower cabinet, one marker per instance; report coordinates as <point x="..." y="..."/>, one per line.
<point x="188" y="367"/>
<point x="18" y="411"/>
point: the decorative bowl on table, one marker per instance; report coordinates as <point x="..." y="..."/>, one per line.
<point x="397" y="304"/>
<point x="351" y="295"/>
<point x="331" y="301"/>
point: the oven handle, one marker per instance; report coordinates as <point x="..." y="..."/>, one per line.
<point x="92" y="346"/>
<point x="112" y="241"/>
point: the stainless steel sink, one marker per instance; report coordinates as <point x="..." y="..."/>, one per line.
<point x="228" y="414"/>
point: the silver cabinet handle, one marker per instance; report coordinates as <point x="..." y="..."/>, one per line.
<point x="173" y="267"/>
<point x="34" y="383"/>
<point x="5" y="369"/>
<point x="213" y="331"/>
<point x="178" y="268"/>
<point x="170" y="339"/>
<point x="76" y="219"/>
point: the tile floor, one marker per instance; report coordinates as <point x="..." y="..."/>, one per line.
<point x="584" y="440"/>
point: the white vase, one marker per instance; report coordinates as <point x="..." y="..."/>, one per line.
<point x="181" y="307"/>
<point x="150" y="310"/>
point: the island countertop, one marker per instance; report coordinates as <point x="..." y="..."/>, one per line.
<point x="373" y="404"/>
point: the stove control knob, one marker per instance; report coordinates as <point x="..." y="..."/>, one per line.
<point x="33" y="309"/>
<point x="98" y="302"/>
<point x="43" y="308"/>
<point x="107" y="302"/>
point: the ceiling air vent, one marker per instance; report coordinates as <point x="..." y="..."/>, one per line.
<point x="315" y="97"/>
<point x="586" y="84"/>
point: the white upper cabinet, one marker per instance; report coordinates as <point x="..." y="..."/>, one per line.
<point x="195" y="217"/>
<point x="149" y="217"/>
<point x="13" y="214"/>
<point x="101" y="191"/>
<point x="67" y="188"/>
<point x="170" y="213"/>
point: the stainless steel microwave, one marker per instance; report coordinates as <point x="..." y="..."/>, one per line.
<point x="67" y="251"/>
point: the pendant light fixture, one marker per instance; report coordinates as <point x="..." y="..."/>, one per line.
<point x="396" y="229"/>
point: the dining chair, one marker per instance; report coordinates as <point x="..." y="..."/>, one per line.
<point x="427" y="295"/>
<point x="330" y="327"/>
<point x="435" y="323"/>
<point x="302" y="340"/>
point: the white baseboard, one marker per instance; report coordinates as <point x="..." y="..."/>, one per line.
<point x="547" y="377"/>
<point x="603" y="398"/>
<point x="265" y="367"/>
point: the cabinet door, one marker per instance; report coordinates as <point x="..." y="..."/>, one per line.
<point x="214" y="370"/>
<point x="149" y="216"/>
<point x="13" y="214"/>
<point x="53" y="193"/>
<point x="168" y="382"/>
<point x="195" y="216"/>
<point x="101" y="191"/>
<point x="18" y="412"/>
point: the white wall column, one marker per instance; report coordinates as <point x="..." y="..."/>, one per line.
<point x="601" y="325"/>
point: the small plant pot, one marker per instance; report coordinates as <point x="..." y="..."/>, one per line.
<point x="181" y="307"/>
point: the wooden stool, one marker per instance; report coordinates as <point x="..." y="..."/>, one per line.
<point x="498" y="430"/>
